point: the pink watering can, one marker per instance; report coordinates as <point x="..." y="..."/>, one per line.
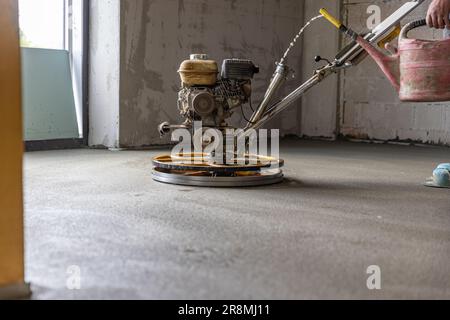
<point x="419" y="70"/>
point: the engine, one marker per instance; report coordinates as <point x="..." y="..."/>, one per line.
<point x="205" y="96"/>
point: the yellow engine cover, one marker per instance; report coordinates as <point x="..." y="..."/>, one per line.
<point x="199" y="71"/>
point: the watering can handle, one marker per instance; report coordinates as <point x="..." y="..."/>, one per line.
<point x="410" y="26"/>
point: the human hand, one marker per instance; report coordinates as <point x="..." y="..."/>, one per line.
<point x="438" y="14"/>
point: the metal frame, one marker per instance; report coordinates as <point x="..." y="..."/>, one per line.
<point x="265" y="178"/>
<point x="58" y="144"/>
<point x="75" y="143"/>
<point x="85" y="97"/>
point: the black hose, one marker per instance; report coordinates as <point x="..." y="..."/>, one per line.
<point x="412" y="25"/>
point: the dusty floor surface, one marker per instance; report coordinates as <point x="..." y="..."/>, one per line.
<point x="342" y="208"/>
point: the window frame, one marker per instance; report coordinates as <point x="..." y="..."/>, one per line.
<point x="75" y="143"/>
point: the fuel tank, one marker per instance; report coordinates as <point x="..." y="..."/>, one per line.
<point x="199" y="71"/>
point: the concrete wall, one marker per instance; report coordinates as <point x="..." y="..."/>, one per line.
<point x="11" y="206"/>
<point x="319" y="105"/>
<point x="157" y="35"/>
<point x="370" y="107"/>
<point x="104" y="73"/>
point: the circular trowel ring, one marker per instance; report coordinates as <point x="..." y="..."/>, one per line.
<point x="199" y="179"/>
<point x="199" y="162"/>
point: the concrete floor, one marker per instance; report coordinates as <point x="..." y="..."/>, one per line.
<point x="342" y="208"/>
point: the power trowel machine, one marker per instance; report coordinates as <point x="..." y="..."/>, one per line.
<point x="210" y="99"/>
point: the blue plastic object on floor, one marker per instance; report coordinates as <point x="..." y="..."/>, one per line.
<point x="440" y="178"/>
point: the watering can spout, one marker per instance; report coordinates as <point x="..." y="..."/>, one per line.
<point x="389" y="64"/>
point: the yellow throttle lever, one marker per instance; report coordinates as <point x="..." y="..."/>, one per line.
<point x="330" y="18"/>
<point x="390" y="37"/>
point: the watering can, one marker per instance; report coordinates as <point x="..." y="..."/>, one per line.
<point x="419" y="70"/>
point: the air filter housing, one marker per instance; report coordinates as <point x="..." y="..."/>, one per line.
<point x="238" y="69"/>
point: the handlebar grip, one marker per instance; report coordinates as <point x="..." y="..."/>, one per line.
<point x="330" y="18"/>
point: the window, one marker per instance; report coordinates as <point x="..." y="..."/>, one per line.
<point x="42" y="24"/>
<point x="59" y="25"/>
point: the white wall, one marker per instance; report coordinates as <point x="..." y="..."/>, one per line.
<point x="104" y="73"/>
